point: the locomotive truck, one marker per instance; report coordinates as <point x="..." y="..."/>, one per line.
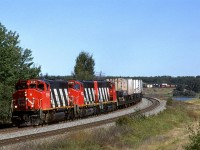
<point x="38" y="101"/>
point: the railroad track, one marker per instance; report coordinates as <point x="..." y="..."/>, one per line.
<point x="155" y="103"/>
<point x="13" y="129"/>
<point x="76" y="125"/>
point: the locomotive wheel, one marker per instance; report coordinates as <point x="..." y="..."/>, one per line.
<point x="36" y="122"/>
<point x="97" y="110"/>
<point x="71" y="114"/>
<point x="82" y="112"/>
<point x="48" y="117"/>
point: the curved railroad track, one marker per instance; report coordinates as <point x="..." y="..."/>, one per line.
<point x="14" y="136"/>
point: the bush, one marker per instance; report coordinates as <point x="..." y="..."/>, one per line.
<point x="123" y="121"/>
<point x="184" y="93"/>
<point x="194" y="139"/>
<point x="169" y="101"/>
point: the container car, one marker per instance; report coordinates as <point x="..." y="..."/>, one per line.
<point x="128" y="91"/>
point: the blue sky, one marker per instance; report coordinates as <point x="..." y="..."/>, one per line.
<point x="125" y="37"/>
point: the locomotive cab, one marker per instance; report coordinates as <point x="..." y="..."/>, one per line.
<point x="75" y="89"/>
<point x="112" y="92"/>
<point x="30" y="97"/>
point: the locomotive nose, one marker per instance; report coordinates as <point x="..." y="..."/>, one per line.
<point x="20" y="100"/>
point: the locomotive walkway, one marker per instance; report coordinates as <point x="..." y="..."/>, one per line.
<point x="147" y="107"/>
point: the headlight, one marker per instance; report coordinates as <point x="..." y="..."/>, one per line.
<point x="15" y="106"/>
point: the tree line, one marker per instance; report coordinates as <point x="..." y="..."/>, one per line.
<point x="185" y="85"/>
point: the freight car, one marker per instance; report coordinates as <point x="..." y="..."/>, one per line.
<point x="43" y="101"/>
<point x="128" y="91"/>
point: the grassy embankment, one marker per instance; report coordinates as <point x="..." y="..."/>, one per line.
<point x="167" y="131"/>
<point x="161" y="93"/>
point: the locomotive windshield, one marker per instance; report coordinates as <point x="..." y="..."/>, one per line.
<point x="70" y="85"/>
<point x="110" y="85"/>
<point x="30" y="85"/>
<point x="21" y="86"/>
<point x="40" y="86"/>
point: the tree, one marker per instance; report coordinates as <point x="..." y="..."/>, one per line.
<point x="84" y="68"/>
<point x="15" y="63"/>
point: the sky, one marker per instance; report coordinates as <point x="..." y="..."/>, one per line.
<point x="125" y="37"/>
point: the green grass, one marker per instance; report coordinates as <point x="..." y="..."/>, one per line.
<point x="145" y="128"/>
<point x="129" y="132"/>
<point x="161" y="93"/>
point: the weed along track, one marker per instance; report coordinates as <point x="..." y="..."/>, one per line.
<point x="146" y="106"/>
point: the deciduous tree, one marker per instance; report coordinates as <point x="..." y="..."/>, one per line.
<point x="15" y="63"/>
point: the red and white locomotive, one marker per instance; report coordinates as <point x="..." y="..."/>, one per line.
<point x="43" y="101"/>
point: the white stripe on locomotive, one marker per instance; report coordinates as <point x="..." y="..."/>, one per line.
<point x="62" y="97"/>
<point x="89" y="98"/>
<point x="105" y="93"/>
<point x="52" y="100"/>
<point x="90" y="95"/>
<point x="100" y="95"/>
<point x="86" y="95"/>
<point x="108" y="94"/>
<point x="85" y="99"/>
<point x="67" y="98"/>
<point x="93" y="94"/>
<point x="57" y="97"/>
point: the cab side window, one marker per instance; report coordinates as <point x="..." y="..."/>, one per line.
<point x="110" y="86"/>
<point x="47" y="85"/>
<point x="21" y="86"/>
<point x="77" y="86"/>
<point x="32" y="86"/>
<point x="70" y="85"/>
<point x="41" y="87"/>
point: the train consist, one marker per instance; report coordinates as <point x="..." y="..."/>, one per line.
<point x="43" y="101"/>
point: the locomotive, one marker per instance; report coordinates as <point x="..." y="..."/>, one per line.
<point x="37" y="101"/>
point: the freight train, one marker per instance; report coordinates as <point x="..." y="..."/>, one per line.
<point x="38" y="101"/>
